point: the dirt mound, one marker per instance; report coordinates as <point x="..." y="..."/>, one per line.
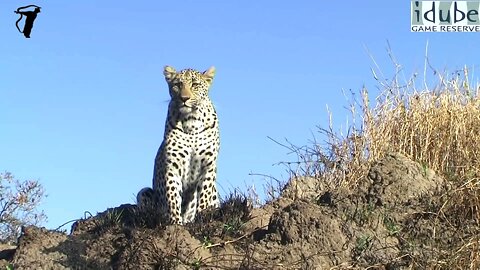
<point x="398" y="180"/>
<point x="390" y="221"/>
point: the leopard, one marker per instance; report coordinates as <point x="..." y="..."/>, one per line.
<point x="185" y="168"/>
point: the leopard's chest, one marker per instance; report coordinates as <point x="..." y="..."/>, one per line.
<point x="194" y="153"/>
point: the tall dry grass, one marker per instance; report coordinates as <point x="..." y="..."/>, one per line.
<point x="438" y="127"/>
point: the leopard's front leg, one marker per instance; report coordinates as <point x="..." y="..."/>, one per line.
<point x="173" y="191"/>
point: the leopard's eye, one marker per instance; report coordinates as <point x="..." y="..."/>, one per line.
<point x="195" y="84"/>
<point x="178" y="85"/>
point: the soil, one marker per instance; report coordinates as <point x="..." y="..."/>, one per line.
<point x="390" y="221"/>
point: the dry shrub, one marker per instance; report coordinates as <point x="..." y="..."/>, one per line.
<point x="19" y="201"/>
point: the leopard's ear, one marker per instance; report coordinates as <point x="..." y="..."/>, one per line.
<point x="169" y="73"/>
<point x="209" y="74"/>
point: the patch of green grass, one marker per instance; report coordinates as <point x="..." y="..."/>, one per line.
<point x="114" y="217"/>
<point x="206" y="241"/>
<point x="392" y="227"/>
<point x="363" y="243"/>
<point x="362" y="214"/>
<point x="233" y="226"/>
<point x="424" y="169"/>
<point x="196" y="264"/>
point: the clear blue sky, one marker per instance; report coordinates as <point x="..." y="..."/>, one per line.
<point x="83" y="102"/>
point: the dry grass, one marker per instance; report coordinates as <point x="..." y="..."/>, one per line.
<point x="439" y="128"/>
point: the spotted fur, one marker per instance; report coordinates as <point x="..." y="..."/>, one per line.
<point x="184" y="179"/>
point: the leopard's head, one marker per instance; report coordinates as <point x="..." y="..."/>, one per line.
<point x="188" y="88"/>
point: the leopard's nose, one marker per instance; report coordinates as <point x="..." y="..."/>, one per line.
<point x="184" y="98"/>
